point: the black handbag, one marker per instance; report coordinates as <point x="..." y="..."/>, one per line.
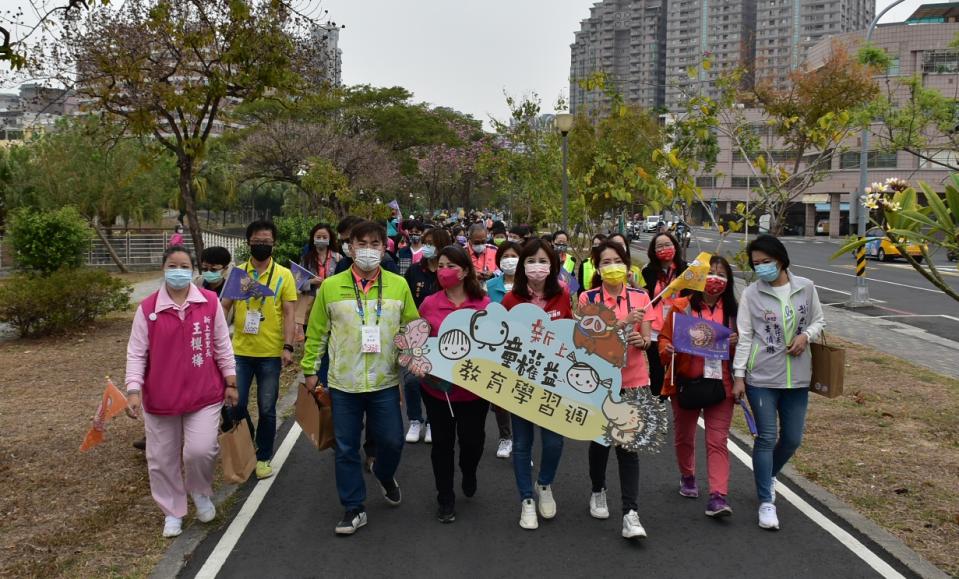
<point x="698" y="393"/>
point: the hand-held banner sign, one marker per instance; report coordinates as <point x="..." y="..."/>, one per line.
<point x="699" y="337"/>
<point x="535" y="368"/>
<point x="240" y="286"/>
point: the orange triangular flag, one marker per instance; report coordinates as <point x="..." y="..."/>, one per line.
<point x="112" y="403"/>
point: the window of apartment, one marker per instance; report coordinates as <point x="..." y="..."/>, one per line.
<point x="940" y="62"/>
<point x="947" y="157"/>
<point x="893" y="69"/>
<point x="874" y="160"/>
<point x="740" y="182"/>
<point x="706" y="181"/>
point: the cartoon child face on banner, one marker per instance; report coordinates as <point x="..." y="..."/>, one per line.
<point x="533" y="367"/>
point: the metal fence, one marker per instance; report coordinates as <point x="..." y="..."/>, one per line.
<point x="141" y="250"/>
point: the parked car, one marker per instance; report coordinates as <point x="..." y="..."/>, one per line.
<point x="652" y="223"/>
<point x="880" y="248"/>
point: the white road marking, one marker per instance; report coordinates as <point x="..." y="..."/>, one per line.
<point x="953" y="318"/>
<point x="841" y="535"/>
<point x="228" y="541"/>
<point x="871" y="279"/>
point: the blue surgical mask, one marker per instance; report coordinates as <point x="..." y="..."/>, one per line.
<point x="768" y="272"/>
<point x="429" y="251"/>
<point x="178" y="278"/>
<point x="212" y="276"/>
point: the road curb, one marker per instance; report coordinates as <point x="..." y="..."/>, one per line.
<point x="181" y="549"/>
<point x="888" y="542"/>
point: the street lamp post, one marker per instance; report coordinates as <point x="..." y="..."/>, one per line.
<point x="857" y="213"/>
<point x="564" y="123"/>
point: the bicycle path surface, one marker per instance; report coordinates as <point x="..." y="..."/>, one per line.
<point x="283" y="527"/>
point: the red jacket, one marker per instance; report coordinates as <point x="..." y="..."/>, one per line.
<point x="687" y="365"/>
<point x="558" y="307"/>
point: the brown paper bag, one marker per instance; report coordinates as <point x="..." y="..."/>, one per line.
<point x="304" y="304"/>
<point x="315" y="417"/>
<point x="828" y="369"/>
<point x="237" y="452"/>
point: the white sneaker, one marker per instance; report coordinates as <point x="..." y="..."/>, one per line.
<point x="172" y="527"/>
<point x="632" y="529"/>
<point x="505" y="448"/>
<point x="413" y="434"/>
<point x="597" y="505"/>
<point x="205" y="509"/>
<point x="527" y="517"/>
<point x="547" y="506"/>
<point x="767" y="517"/>
<point x="428" y="439"/>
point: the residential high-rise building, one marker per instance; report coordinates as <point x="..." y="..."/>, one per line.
<point x="329" y="57"/>
<point x="723" y="30"/>
<point x="787" y="29"/>
<point x="626" y="39"/>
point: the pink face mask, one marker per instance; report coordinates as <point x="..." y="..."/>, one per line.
<point x="537" y="271"/>
<point x="448" y="277"/>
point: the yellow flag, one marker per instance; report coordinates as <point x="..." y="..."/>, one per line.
<point x="693" y="278"/>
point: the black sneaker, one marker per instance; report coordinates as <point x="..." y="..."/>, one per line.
<point x="469" y="484"/>
<point x="446" y="513"/>
<point x="391" y="491"/>
<point x="352" y="520"/>
<point x="140" y="444"/>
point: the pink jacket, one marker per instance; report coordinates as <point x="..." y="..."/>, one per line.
<point x="434" y="310"/>
<point x="179" y="355"/>
<point x="636" y="371"/>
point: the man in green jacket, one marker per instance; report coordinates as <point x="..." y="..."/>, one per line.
<point x="356" y="315"/>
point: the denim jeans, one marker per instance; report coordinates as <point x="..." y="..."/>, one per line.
<point x="383" y="416"/>
<point x="413" y="395"/>
<point x="522" y="452"/>
<point x="775" y="446"/>
<point x="267" y="373"/>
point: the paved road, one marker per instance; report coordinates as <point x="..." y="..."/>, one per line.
<point x="291" y="533"/>
<point x="902" y="294"/>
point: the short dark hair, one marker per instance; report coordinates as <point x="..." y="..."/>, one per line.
<point x="261" y="225"/>
<point x="441" y="237"/>
<point x="596" y="252"/>
<point x="547" y="237"/>
<point x="506" y="246"/>
<point x="216" y="255"/>
<point x="600" y="237"/>
<point x="771" y="246"/>
<point x="346" y="224"/>
<point x="523" y="231"/>
<point x="560" y="232"/>
<point x="177" y="249"/>
<point x="651" y="251"/>
<point x="498" y="227"/>
<point x="368" y="229"/>
<point x="458" y="256"/>
<point x="413" y="224"/>
<point x="521" y="284"/>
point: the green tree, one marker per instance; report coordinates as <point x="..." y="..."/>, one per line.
<point x="170" y="69"/>
<point x="45" y="241"/>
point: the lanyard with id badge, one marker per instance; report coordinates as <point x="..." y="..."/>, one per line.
<point x="370" y="334"/>
<point x="712" y="367"/>
<point x="251" y="325"/>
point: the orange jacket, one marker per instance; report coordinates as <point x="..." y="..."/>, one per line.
<point x="687" y="365"/>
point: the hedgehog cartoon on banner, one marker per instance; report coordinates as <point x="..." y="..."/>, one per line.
<point x="539" y="370"/>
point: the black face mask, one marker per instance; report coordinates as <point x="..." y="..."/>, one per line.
<point x="261" y="251"/>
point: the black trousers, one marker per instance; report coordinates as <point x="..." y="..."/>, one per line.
<point x="469" y="424"/>
<point x="657" y="372"/>
<point x="628" y="472"/>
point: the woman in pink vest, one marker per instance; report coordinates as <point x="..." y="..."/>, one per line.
<point x="180" y="368"/>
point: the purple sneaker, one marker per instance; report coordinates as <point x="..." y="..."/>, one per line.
<point x="717" y="506"/>
<point x="688" y="488"/>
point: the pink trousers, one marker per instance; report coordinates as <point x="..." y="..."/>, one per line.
<point x="181" y="456"/>
<point x="717" y="418"/>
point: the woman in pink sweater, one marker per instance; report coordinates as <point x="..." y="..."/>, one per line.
<point x="455" y="412"/>
<point x="180" y="368"/>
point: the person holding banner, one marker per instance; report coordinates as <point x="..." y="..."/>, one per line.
<point x="666" y="263"/>
<point x="612" y="264"/>
<point x="537" y="282"/>
<point x="717" y="304"/>
<point x="454" y="412"/>
<point x="180" y="369"/>
<point x="779" y="315"/>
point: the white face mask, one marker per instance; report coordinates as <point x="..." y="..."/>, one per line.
<point x="508" y="265"/>
<point x="345" y="247"/>
<point x="368" y="259"/>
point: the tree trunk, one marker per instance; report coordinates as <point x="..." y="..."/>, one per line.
<point x="113" y="254"/>
<point x="185" y="164"/>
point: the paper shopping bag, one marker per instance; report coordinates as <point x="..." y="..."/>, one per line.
<point x="237" y="452"/>
<point x="304" y="304"/>
<point x="315" y="417"/>
<point x="828" y="369"/>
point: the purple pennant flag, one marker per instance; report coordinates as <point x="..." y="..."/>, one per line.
<point x="240" y="286"/>
<point x="571" y="283"/>
<point x="302" y="276"/>
<point x="750" y="421"/>
<point x="699" y="337"/>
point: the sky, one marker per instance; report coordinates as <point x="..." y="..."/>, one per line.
<point x="464" y="54"/>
